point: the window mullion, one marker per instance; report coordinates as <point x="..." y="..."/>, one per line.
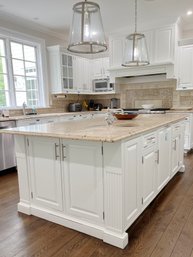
<point x="10" y="74"/>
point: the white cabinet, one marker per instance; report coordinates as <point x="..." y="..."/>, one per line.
<point x="37" y="120"/>
<point x="82" y="74"/>
<point x="116" y="51"/>
<point x="45" y="172"/>
<point x="82" y="166"/>
<point x="149" y="169"/>
<point x="100" y="68"/>
<point x="60" y="70"/>
<point x="132" y="180"/>
<point x="163" y="158"/>
<point x="160" y="44"/>
<point x="164" y="45"/>
<point x="185" y="67"/>
<point x="188" y="132"/>
<point x="177" y="147"/>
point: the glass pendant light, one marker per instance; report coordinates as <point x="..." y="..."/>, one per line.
<point x="87" y="33"/>
<point x="136" y="53"/>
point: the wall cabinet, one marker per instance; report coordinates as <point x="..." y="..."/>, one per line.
<point x="185" y="67"/>
<point x="100" y="68"/>
<point x="160" y="44"/>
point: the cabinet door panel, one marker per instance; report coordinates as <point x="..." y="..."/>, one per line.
<point x="45" y="172"/>
<point x="164" y="142"/>
<point x="175" y="155"/>
<point x="132" y="166"/>
<point x="185" y="67"/>
<point x="149" y="170"/>
<point x="164" y="45"/>
<point x="83" y="180"/>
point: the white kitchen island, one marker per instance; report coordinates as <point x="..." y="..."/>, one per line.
<point x="96" y="178"/>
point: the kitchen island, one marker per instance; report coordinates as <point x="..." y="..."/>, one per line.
<point x="96" y="178"/>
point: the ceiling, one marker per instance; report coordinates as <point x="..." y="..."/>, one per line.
<point x="57" y="15"/>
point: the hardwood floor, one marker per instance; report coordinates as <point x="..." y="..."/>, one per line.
<point x="165" y="229"/>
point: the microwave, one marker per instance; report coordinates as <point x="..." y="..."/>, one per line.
<point x="102" y="85"/>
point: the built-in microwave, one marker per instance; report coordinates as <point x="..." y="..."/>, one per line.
<point x="102" y="85"/>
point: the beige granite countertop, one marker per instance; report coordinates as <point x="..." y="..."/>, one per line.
<point x="23" y="117"/>
<point x="96" y="129"/>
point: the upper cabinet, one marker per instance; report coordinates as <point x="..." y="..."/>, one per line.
<point x="185" y="67"/>
<point x="164" y="45"/>
<point x="160" y="44"/>
<point x="74" y="74"/>
<point x="100" y="67"/>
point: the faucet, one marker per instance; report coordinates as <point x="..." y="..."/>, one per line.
<point x="24" y="106"/>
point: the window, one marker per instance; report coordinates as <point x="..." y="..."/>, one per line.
<point x="20" y="79"/>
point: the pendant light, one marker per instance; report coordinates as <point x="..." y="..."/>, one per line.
<point x="87" y="33"/>
<point x="136" y="53"/>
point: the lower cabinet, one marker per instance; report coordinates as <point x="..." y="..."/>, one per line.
<point x="149" y="168"/>
<point x="177" y="147"/>
<point x="83" y="179"/>
<point x="164" y="157"/>
<point x="45" y="172"/>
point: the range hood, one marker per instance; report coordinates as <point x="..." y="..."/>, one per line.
<point x="166" y="69"/>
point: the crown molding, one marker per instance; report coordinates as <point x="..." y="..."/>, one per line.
<point x="26" y="24"/>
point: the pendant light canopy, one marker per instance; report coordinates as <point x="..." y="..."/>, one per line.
<point x="136" y="53"/>
<point x="87" y="33"/>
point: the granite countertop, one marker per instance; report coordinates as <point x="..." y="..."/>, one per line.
<point x="96" y="129"/>
<point x="45" y="115"/>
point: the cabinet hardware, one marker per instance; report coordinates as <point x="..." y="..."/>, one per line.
<point x="103" y="215"/>
<point x="28" y="141"/>
<point x="56" y="151"/>
<point x="102" y="149"/>
<point x="32" y="196"/>
<point x="63" y="152"/>
<point x="157" y="156"/>
<point x="142" y="159"/>
<point x="175" y="144"/>
<point x="142" y="200"/>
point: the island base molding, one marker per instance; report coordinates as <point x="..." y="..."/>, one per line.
<point x="108" y="236"/>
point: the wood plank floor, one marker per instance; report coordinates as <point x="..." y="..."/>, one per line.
<point x="165" y="229"/>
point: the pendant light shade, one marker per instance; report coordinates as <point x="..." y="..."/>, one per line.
<point x="87" y="33"/>
<point x="136" y="53"/>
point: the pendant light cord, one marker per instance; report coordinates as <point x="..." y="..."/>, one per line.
<point x="135" y="16"/>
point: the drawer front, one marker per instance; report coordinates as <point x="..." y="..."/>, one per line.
<point x="149" y="140"/>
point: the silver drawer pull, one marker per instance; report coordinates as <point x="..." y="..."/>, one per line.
<point x="63" y="152"/>
<point x="56" y="151"/>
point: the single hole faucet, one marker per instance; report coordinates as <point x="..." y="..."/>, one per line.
<point x="24" y="106"/>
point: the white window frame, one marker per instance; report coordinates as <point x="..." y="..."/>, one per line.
<point x="8" y="36"/>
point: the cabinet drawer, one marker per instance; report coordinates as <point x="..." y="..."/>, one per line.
<point x="176" y="130"/>
<point x="149" y="140"/>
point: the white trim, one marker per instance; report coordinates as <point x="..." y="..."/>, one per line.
<point x="10" y="35"/>
<point x="116" y="239"/>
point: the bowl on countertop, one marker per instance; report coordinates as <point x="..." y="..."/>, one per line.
<point x="147" y="106"/>
<point x="125" y="116"/>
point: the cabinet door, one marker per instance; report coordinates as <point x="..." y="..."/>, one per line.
<point x="149" y="35"/>
<point x="132" y="168"/>
<point x="149" y="170"/>
<point x="45" y="172"/>
<point x="164" y="45"/>
<point x="164" y="145"/>
<point x="185" y="67"/>
<point x="97" y="68"/>
<point x="82" y="165"/>
<point x="175" y="154"/>
<point x="116" y="50"/>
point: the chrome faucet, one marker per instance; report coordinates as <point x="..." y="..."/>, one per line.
<point x="24" y="106"/>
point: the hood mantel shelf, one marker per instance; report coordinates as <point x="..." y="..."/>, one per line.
<point x="152" y="69"/>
